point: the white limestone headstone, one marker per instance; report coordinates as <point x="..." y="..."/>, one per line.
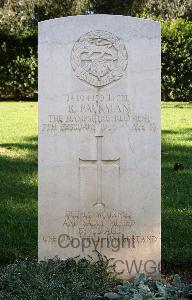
<point x="99" y="140"/>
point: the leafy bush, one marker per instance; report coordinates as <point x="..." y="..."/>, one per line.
<point x="82" y="280"/>
<point x="22" y="77"/>
<point x="176" y="60"/>
<point x="55" y="279"/>
<point x="167" y="9"/>
<point x="143" y="288"/>
<point x="18" y="67"/>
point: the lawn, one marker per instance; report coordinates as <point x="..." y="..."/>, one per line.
<point x="177" y="185"/>
<point x="18" y="181"/>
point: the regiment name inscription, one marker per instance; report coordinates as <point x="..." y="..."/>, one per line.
<point x="87" y="111"/>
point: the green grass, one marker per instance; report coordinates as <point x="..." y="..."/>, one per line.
<point x="177" y="185"/>
<point x="18" y="181"/>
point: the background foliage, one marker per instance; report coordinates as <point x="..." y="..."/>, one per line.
<point x="167" y="9"/>
<point x="56" y="279"/>
<point x="176" y="56"/>
<point x="18" y="36"/>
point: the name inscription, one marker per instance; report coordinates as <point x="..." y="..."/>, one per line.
<point x="88" y="111"/>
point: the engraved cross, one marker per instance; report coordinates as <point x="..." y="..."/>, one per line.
<point x="100" y="163"/>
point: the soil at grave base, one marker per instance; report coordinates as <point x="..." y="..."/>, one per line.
<point x="183" y="269"/>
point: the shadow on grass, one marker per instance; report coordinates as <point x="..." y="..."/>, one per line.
<point x="32" y="138"/>
<point x="18" y="230"/>
<point x="22" y="146"/>
<point x="176" y="205"/>
<point x="29" y="144"/>
<point x="181" y="132"/>
<point x="18" y="200"/>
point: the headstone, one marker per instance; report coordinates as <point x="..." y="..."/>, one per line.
<point x="99" y="140"/>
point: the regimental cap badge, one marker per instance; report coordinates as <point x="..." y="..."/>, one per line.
<point x="99" y="58"/>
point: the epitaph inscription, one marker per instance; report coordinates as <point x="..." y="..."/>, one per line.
<point x="99" y="230"/>
<point x="103" y="223"/>
<point x="99" y="58"/>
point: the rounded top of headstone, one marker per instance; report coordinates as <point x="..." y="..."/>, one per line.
<point x="99" y="58"/>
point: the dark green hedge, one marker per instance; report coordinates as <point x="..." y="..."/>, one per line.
<point x="177" y="60"/>
<point x="18" y="66"/>
<point x="18" y="63"/>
